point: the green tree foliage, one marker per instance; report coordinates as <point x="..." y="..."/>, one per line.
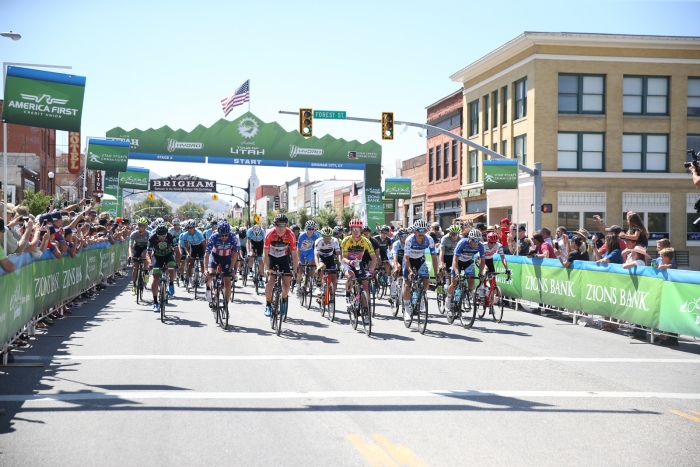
<point x="301" y="218"/>
<point x="36" y="202"/>
<point x="192" y="210"/>
<point x="326" y="217"/>
<point x="152" y="208"/>
<point x="348" y="214"/>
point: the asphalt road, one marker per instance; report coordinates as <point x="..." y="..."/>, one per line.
<point x="118" y="387"/>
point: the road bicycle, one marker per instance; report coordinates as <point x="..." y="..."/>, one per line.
<point x="441" y="291"/>
<point x="163" y="287"/>
<point x="359" y="306"/>
<point x="257" y="277"/>
<point x="140" y="285"/>
<point x="193" y="285"/>
<point x="382" y="281"/>
<point x="488" y="295"/>
<point x="327" y="300"/>
<point x="276" y="303"/>
<point x="419" y="305"/>
<point x="373" y="288"/>
<point x="307" y="285"/>
<point x="219" y="304"/>
<point x="462" y="304"/>
<point x="396" y="302"/>
<point x="244" y="269"/>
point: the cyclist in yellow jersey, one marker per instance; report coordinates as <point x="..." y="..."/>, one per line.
<point x="353" y="249"/>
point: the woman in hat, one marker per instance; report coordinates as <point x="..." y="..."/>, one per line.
<point x="636" y="255"/>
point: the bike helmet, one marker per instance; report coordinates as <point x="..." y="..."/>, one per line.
<point x="161" y="229"/>
<point x="295" y="228"/>
<point x="189" y="224"/>
<point x="366" y="229"/>
<point x="256" y="230"/>
<point x="212" y="223"/>
<point x="176" y="221"/>
<point x="435" y="224"/>
<point x="159" y="220"/>
<point x="327" y="232"/>
<point x="420" y="224"/>
<point x="337" y="230"/>
<point x="356" y="223"/>
<point x="280" y="218"/>
<point x="492" y="237"/>
<point x="454" y="229"/>
<point x="409" y="229"/>
<point x="385" y="229"/>
<point x="142" y="221"/>
<point x="223" y="228"/>
<point x="402" y="231"/>
<point x="310" y="225"/>
<point x="475" y="235"/>
<point x="242" y="229"/>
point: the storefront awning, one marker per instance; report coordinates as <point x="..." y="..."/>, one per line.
<point x="470" y="217"/>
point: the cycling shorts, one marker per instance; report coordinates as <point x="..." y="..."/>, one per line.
<point x="308" y="255"/>
<point x="489" y="264"/>
<point x="418" y="264"/>
<point x="329" y="262"/>
<point x="257" y="247"/>
<point x="359" y="271"/>
<point x="448" y="261"/>
<point x="466" y="266"/>
<point x="283" y="263"/>
<point x="383" y="254"/>
<point x="197" y="251"/>
<point x="160" y="261"/>
<point x="244" y="251"/>
<point x="223" y="261"/>
<point x="139" y="250"/>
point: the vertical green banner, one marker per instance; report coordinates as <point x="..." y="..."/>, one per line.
<point x="397" y="188"/>
<point x="389" y="206"/>
<point x="110" y="155"/>
<point x="551" y="285"/>
<point x="374" y="206"/>
<point x="120" y="203"/>
<point x="43" y="99"/>
<point x="680" y="308"/>
<point x="500" y="174"/>
<point x="17" y="299"/>
<point x="512" y="287"/>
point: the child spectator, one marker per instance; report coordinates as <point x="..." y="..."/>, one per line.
<point x="666" y="259"/>
<point x="661" y="245"/>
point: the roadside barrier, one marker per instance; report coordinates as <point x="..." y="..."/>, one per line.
<point x="668" y="299"/>
<point x="38" y="285"/>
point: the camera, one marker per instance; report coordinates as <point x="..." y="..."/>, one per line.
<point x="696" y="160"/>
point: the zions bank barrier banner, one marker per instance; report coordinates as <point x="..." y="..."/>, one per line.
<point x="663" y="299"/>
<point x="37" y="285"/>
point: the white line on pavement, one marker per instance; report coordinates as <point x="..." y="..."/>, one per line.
<point x="504" y="358"/>
<point x="194" y="395"/>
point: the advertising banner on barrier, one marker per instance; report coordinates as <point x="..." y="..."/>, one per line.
<point x="500" y="174"/>
<point x="103" y="154"/>
<point x="43" y="99"/>
<point x="550" y="285"/>
<point x="397" y="188"/>
<point x="512" y="287"/>
<point x="134" y="178"/>
<point x="680" y="308"/>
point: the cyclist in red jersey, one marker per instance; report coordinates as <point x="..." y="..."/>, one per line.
<point x="279" y="249"/>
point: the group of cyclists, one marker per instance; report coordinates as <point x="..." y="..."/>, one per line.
<point x="352" y="252"/>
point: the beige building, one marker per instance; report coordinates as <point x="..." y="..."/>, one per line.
<point x="609" y="117"/>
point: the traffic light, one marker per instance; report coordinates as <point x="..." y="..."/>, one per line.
<point x="306" y="122"/>
<point x="547" y="208"/>
<point x="387" y="125"/>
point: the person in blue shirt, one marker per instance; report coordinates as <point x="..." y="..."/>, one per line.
<point x="414" y="265"/>
<point x="192" y="244"/>
<point x="222" y="250"/>
<point x="467" y="252"/>
<point x="255" y="237"/>
<point x="305" y="245"/>
<point x="211" y="230"/>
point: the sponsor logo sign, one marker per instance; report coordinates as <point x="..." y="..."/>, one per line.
<point x="73" y="152"/>
<point x="295" y="151"/>
<point x="107" y="155"/>
<point x="183" y="184"/>
<point x="173" y="145"/>
<point x="134" y="179"/>
<point x="501" y="174"/>
<point x="397" y="188"/>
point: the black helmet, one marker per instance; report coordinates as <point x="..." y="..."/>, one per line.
<point x="295" y="228"/>
<point x="280" y="218"/>
<point x="161" y="229"/>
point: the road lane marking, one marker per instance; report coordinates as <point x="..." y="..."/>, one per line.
<point x="695" y="412"/>
<point x="401" y="453"/>
<point x="370" y="451"/>
<point x="360" y="357"/>
<point x="458" y="393"/>
<point x="685" y="415"/>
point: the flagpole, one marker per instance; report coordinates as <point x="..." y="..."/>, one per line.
<point x="248" y="96"/>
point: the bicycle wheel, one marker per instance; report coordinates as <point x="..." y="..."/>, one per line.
<point x="440" y="298"/>
<point x="480" y="300"/>
<point x="278" y="307"/>
<point x="244" y="275"/>
<point x="422" y="315"/>
<point x="330" y="307"/>
<point x="398" y="300"/>
<point x="497" y="305"/>
<point x="161" y="299"/>
<point x="408" y="314"/>
<point x="352" y="311"/>
<point x="274" y="303"/>
<point x="223" y="308"/>
<point x="309" y="292"/>
<point x="139" y="284"/>
<point x="233" y="290"/>
<point x="195" y="280"/>
<point x="366" y="314"/>
<point x="451" y="313"/>
<point x="468" y="309"/>
<point x="373" y="298"/>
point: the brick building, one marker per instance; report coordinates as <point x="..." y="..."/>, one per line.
<point x="415" y="169"/>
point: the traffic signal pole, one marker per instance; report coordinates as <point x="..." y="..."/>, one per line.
<point x="536" y="172"/>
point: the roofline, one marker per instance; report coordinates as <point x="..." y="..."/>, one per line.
<point x="530" y="38"/>
<point x="458" y="91"/>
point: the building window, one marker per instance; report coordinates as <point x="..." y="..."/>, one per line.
<point x="455" y="158"/>
<point x="430" y="165"/>
<point x="448" y="123"/>
<point x="504" y="148"/>
<point x="692" y="230"/>
<point x="494" y="105"/>
<point x="694" y="97"/>
<point x="487" y="107"/>
<point x="495" y="147"/>
<point x="521" y="98"/>
<point x="446" y="157"/>
<point x="653" y="208"/>
<point x="504" y="105"/>
<point x="691" y="142"/>
<point x="521" y="149"/>
<point x="582" y="94"/>
<point x="645" y="95"/>
<point x="473" y="166"/>
<point x="474" y="118"/>
<point x="438" y="162"/>
<point x="581" y="151"/>
<point x="644" y="153"/>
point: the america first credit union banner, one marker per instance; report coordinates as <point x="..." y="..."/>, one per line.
<point x="43" y="99"/>
<point x="135" y="178"/>
<point x="109" y="155"/>
<point x="500" y="174"/>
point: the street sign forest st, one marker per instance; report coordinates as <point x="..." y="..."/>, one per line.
<point x="330" y="114"/>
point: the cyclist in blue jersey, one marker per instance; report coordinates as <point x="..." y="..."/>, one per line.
<point x="467" y="251"/>
<point x="397" y="253"/>
<point x="414" y="261"/>
<point x="305" y="245"/>
<point x="192" y="244"/>
<point x="255" y="237"/>
<point x="211" y="230"/>
<point x="222" y="250"/>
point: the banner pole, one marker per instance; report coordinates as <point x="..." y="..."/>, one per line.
<point x="248" y="95"/>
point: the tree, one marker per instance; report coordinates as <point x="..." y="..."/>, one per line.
<point x="348" y="214"/>
<point x="271" y="213"/>
<point x="326" y="217"/>
<point x="192" y="210"/>
<point x="157" y="207"/>
<point x="36" y="201"/>
<point x="302" y="217"/>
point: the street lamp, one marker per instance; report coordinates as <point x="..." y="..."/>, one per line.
<point x="51" y="175"/>
<point x="12" y="35"/>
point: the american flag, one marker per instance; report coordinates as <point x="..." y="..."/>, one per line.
<point x="241" y="95"/>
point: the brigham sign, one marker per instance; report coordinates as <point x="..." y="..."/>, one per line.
<point x="185" y="185"/>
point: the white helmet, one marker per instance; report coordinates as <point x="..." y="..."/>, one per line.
<point x="475" y="234"/>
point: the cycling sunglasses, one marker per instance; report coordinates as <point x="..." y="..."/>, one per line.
<point x="421" y="230"/>
<point x="223" y="235"/>
<point x="281" y="224"/>
<point x="403" y="235"/>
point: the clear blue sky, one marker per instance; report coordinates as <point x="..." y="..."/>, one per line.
<point x="155" y="63"/>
